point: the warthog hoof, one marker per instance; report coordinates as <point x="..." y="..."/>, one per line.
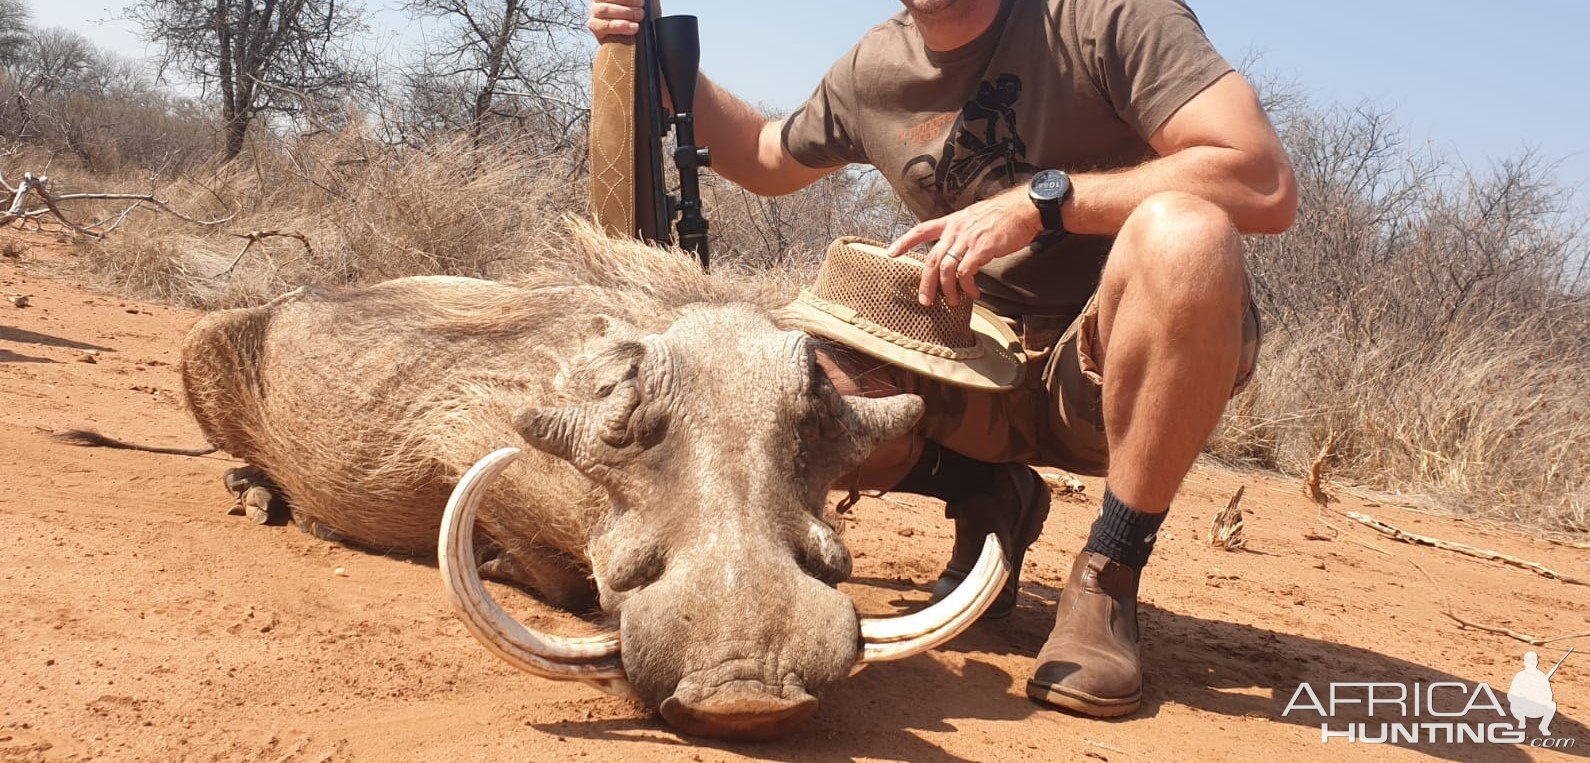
<point x="256" y="497"/>
<point x="257" y="505"/>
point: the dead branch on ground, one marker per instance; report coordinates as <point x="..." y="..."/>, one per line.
<point x="253" y="237"/>
<point x="1463" y="622"/>
<point x="38" y="185"/>
<point x="1226" y="532"/>
<point x="1313" y="485"/>
<point x="1404" y="536"/>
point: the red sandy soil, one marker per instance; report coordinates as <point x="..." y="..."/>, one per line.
<point x="139" y="622"/>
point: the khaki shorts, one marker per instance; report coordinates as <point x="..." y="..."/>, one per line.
<point x="1055" y="418"/>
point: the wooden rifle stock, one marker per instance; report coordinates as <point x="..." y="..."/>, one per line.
<point x="629" y="191"/>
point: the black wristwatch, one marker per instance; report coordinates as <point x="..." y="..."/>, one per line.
<point x="1049" y="190"/>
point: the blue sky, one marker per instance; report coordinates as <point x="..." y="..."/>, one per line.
<point x="1480" y="79"/>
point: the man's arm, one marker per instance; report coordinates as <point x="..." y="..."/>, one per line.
<point x="747" y="148"/>
<point x="1219" y="146"/>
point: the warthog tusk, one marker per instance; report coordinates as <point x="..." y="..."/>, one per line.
<point x="591" y="659"/>
<point x="896" y="638"/>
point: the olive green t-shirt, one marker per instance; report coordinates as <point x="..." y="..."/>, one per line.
<point x="1074" y="85"/>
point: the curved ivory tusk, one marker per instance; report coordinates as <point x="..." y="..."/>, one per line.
<point x="591" y="659"/>
<point x="895" y="638"/>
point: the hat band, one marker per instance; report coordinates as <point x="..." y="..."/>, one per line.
<point x="848" y="315"/>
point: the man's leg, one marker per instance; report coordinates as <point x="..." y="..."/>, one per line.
<point x="1170" y="331"/>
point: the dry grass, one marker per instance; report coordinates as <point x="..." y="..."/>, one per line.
<point x="372" y="212"/>
<point x="1434" y="320"/>
<point x="1483" y="422"/>
<point x="369" y="212"/>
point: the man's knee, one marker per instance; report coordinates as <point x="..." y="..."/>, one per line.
<point x="1182" y="221"/>
<point x="1183" y="244"/>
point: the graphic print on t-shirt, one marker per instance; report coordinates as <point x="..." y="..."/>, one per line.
<point x="983" y="152"/>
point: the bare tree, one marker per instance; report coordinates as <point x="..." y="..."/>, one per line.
<point x="53" y="61"/>
<point x="506" y="57"/>
<point x="238" y="49"/>
<point x="15" y="23"/>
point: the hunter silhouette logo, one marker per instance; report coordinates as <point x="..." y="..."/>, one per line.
<point x="1529" y="696"/>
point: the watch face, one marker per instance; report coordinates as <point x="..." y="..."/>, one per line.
<point x="1050" y="185"/>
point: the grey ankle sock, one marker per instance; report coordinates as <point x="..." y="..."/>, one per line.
<point x="1123" y="533"/>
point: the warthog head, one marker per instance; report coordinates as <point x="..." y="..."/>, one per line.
<point x="716" y="442"/>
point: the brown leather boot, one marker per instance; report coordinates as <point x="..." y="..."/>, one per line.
<point x="1090" y="662"/>
<point x="1014" y="509"/>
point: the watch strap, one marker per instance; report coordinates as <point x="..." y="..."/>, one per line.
<point x="1049" y="215"/>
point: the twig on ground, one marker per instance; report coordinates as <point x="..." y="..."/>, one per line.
<point x="1349" y="538"/>
<point x="1313" y="486"/>
<point x="1226" y="532"/>
<point x="39" y="186"/>
<point x="1404" y="536"/>
<point x="145" y="198"/>
<point x="888" y="500"/>
<point x="49" y="203"/>
<point x="1446" y="609"/>
<point x="1103" y="746"/>
<point x="253" y="237"/>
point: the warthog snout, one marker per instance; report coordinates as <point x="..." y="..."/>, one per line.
<point x="752" y="669"/>
<point x="737" y="710"/>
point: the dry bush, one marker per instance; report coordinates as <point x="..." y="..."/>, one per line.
<point x="1434" y="320"/>
<point x="370" y="211"/>
<point x="793" y="231"/>
<point x="94" y="111"/>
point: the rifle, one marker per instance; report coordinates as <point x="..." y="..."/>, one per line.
<point x="629" y="124"/>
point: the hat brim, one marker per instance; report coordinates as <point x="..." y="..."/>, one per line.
<point x="1001" y="366"/>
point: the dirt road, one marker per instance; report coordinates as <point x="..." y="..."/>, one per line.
<point x="139" y="622"/>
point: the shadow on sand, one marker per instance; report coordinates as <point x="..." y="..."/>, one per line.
<point x="1234" y="670"/>
<point x="7" y="356"/>
<point x="1229" y="669"/>
<point x="21" y="336"/>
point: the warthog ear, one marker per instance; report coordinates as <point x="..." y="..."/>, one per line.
<point x="598" y="435"/>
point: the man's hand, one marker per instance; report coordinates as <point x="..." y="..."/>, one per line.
<point x="615" y="18"/>
<point x="968" y="240"/>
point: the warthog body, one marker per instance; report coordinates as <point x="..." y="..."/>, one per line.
<point x="683" y="443"/>
<point x="364" y="407"/>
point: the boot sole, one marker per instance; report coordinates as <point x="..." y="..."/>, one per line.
<point x="1082" y="702"/>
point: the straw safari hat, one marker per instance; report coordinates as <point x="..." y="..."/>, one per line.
<point x="867" y="301"/>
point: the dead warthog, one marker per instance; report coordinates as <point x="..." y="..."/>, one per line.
<point x="681" y="448"/>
